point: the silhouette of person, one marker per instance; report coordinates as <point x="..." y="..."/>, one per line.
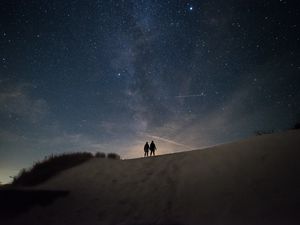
<point x="152" y="148"/>
<point x="146" y="149"/>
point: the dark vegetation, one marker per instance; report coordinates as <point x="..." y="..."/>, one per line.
<point x="49" y="167"/>
<point x="53" y="165"/>
<point x="262" y="132"/>
<point x="100" y="155"/>
<point x="297" y="126"/>
<point x="113" y="156"/>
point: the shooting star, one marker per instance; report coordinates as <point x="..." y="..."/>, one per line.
<point x="170" y="141"/>
<point x="190" y="96"/>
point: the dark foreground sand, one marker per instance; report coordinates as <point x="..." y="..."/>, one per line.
<point x="255" y="181"/>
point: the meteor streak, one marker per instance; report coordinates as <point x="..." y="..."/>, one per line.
<point x="190" y="96"/>
<point x="170" y="141"/>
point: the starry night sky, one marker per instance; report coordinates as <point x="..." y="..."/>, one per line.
<point x="109" y="75"/>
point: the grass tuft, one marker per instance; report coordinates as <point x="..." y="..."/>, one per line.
<point x="113" y="156"/>
<point x="100" y="155"/>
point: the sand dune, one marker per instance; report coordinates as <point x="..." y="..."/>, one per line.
<point x="254" y="181"/>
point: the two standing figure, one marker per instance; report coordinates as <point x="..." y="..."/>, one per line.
<point x="152" y="149"/>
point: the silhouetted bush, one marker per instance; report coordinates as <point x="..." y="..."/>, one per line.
<point x="297" y="126"/>
<point x="113" y="156"/>
<point x="261" y="132"/>
<point x="49" y="167"/>
<point x="100" y="155"/>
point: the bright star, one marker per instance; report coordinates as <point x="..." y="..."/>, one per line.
<point x="191" y="8"/>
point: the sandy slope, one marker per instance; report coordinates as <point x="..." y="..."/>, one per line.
<point x="254" y="181"/>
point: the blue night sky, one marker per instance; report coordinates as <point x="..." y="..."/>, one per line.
<point x="110" y="75"/>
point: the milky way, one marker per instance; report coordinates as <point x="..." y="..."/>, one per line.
<point x="110" y="75"/>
